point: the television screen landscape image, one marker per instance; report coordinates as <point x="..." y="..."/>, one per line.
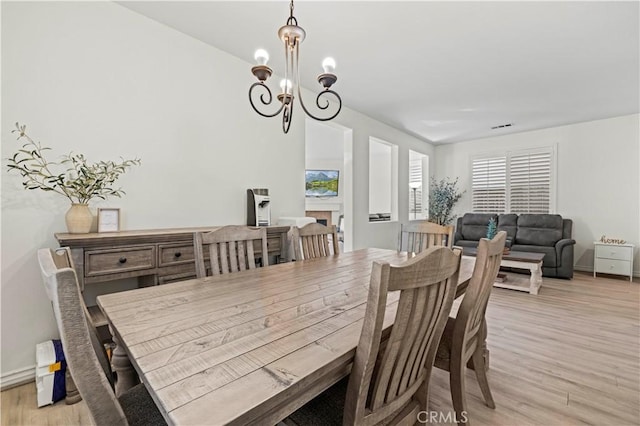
<point x="321" y="183"/>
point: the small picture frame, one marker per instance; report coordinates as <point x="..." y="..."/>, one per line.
<point x="108" y="220"/>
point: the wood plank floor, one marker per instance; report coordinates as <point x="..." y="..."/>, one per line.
<point x="568" y="356"/>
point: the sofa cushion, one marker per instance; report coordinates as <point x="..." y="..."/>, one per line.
<point x="509" y="224"/>
<point x="539" y="229"/>
<point x="467" y="243"/>
<point x="474" y="225"/>
<point x="549" y="260"/>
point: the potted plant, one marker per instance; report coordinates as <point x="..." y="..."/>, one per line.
<point x="73" y="177"/>
<point x="442" y="197"/>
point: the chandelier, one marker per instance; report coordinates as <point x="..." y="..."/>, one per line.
<point x="292" y="35"/>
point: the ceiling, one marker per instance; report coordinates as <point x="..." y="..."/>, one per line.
<point x="443" y="71"/>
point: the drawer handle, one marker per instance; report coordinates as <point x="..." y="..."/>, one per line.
<point x="122" y="260"/>
<point x="177" y="254"/>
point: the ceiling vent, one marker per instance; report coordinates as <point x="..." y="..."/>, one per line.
<point x="502" y="126"/>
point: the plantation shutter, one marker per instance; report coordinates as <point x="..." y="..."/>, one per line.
<point x="530" y="182"/>
<point x="415" y="176"/>
<point x="489" y="185"/>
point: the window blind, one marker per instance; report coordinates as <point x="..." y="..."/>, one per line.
<point x="489" y="185"/>
<point x="415" y="175"/>
<point x="530" y="182"/>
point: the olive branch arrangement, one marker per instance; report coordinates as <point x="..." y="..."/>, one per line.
<point x="76" y="178"/>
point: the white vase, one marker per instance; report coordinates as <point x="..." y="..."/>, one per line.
<point x="79" y="219"/>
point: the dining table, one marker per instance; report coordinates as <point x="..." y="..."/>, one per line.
<point x="249" y="347"/>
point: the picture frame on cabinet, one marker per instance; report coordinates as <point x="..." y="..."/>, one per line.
<point x="108" y="219"/>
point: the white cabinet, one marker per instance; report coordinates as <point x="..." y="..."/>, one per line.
<point x="613" y="259"/>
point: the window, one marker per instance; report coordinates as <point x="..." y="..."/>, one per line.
<point x="418" y="181"/>
<point x="516" y="182"/>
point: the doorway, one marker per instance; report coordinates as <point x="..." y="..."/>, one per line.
<point x="329" y="148"/>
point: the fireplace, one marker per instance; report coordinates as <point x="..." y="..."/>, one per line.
<point x="323" y="217"/>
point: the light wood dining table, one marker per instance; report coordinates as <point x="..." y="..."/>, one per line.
<point x="249" y="347"/>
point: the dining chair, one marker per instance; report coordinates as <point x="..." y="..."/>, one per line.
<point x="231" y="249"/>
<point x="389" y="382"/>
<point x="464" y="336"/>
<point x="85" y="356"/>
<point x="420" y="235"/>
<point x="314" y="240"/>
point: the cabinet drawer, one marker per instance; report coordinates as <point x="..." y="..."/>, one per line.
<point x="612" y="266"/>
<point x="113" y="261"/>
<point x="173" y="254"/>
<point x="614" y="252"/>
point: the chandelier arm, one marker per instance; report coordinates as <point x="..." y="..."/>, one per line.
<point x="262" y="99"/>
<point x="324" y="92"/>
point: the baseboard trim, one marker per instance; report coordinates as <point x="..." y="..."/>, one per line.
<point x="17" y="377"/>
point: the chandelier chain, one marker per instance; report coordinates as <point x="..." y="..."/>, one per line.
<point x="292" y="19"/>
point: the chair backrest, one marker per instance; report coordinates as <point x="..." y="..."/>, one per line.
<point x="384" y="380"/>
<point x="417" y="236"/>
<point x="79" y="348"/>
<point x="471" y="313"/>
<point x="312" y="240"/>
<point x="231" y="249"/>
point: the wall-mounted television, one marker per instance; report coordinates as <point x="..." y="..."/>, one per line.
<point x="321" y="183"/>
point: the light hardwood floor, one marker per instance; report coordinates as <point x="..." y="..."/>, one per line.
<point x="568" y="356"/>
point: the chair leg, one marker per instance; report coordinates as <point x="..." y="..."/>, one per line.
<point x="481" y="374"/>
<point x="457" y="384"/>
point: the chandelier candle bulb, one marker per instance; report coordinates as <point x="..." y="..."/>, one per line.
<point x="329" y="65"/>
<point x="286" y="85"/>
<point x="261" y="56"/>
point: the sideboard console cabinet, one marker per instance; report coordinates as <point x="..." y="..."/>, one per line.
<point x="155" y="256"/>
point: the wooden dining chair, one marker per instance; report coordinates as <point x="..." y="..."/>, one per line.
<point x="231" y="249"/>
<point x="464" y="336"/>
<point x="389" y="382"/>
<point x="314" y="240"/>
<point x="420" y="235"/>
<point x="85" y="355"/>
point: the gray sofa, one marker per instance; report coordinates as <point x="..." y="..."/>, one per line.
<point x="541" y="233"/>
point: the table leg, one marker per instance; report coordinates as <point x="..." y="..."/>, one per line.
<point x="73" y="396"/>
<point x="126" y="376"/>
<point x="536" y="278"/>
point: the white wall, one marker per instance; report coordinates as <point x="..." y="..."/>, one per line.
<point x="99" y="79"/>
<point x="597" y="177"/>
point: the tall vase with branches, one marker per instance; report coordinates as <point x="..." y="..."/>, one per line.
<point x="443" y="196"/>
